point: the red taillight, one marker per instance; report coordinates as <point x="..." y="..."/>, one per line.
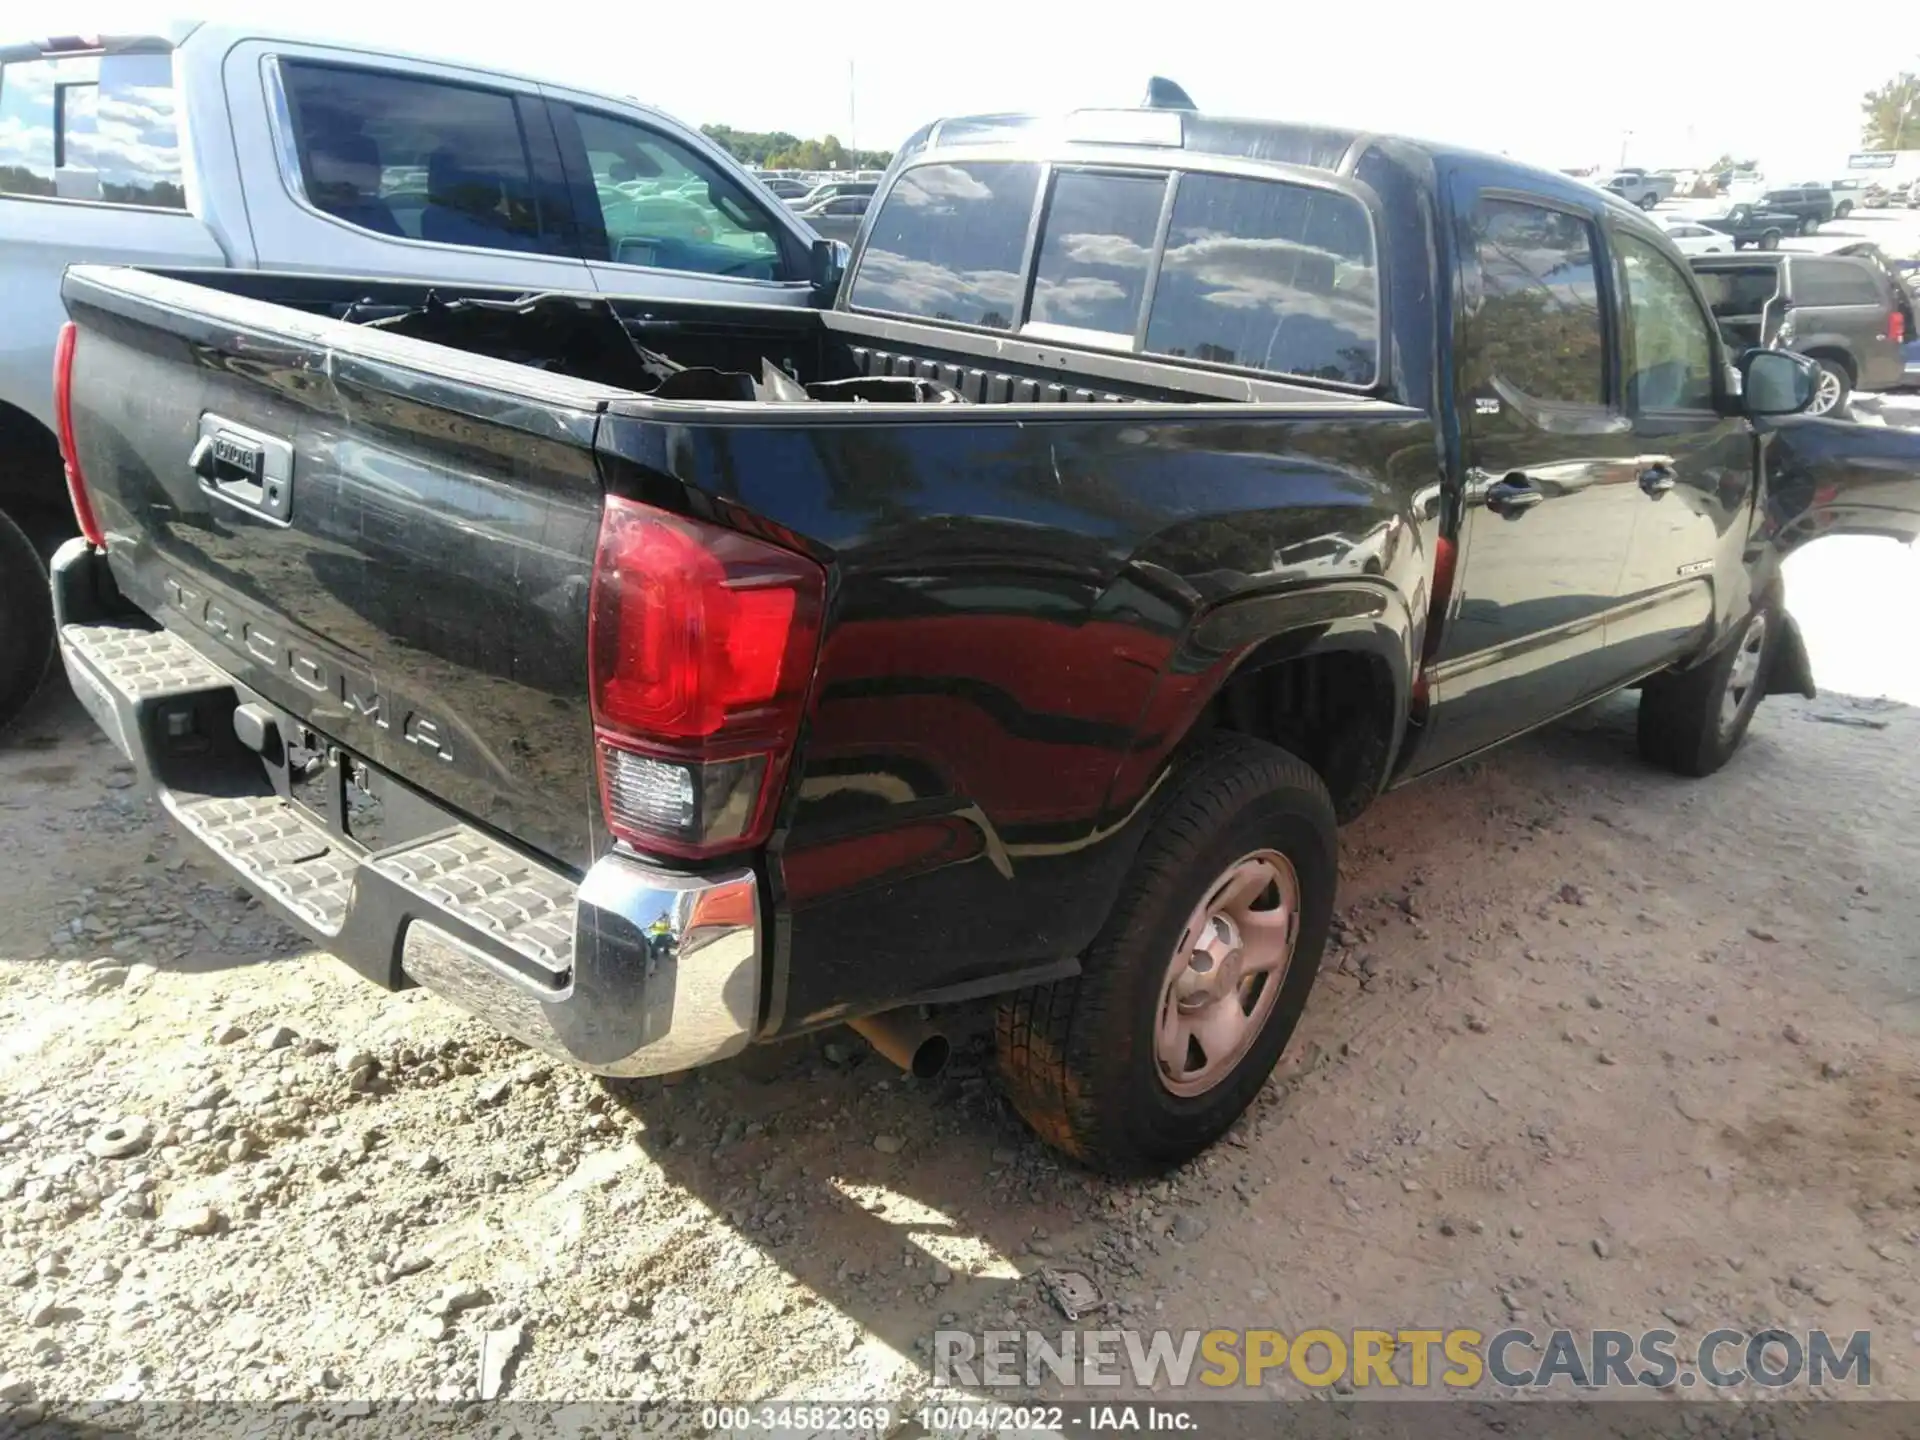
<point x="63" y="419"/>
<point x="1897" y="327"/>
<point x="701" y="647"/>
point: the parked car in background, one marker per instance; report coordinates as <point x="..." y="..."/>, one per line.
<point x="784" y="188"/>
<point x="1749" y="225"/>
<point x="1640" y="187"/>
<point x="837" y="217"/>
<point x="256" y="151"/>
<point x="829" y="189"/>
<point x="1810" y="205"/>
<point x="1848" y="195"/>
<point x="1841" y="311"/>
<point x="1690" y="237"/>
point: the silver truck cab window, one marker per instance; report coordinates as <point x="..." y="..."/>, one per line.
<point x="426" y="159"/>
<point x="663" y="205"/>
<point x="99" y="128"/>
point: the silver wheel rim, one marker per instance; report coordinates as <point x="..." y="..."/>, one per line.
<point x="1826" y="392"/>
<point x="1226" y="972"/>
<point x="1744" y="675"/>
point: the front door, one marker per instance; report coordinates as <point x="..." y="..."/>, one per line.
<point x="1694" y="467"/>
<point x="1551" y="493"/>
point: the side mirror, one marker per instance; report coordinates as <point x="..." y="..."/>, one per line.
<point x="830" y="259"/>
<point x="1776" y="382"/>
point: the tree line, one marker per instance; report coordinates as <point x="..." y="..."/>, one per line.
<point x="777" y="150"/>
<point x="1891" y="114"/>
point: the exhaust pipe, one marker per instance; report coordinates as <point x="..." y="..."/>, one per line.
<point x="908" y="1041"/>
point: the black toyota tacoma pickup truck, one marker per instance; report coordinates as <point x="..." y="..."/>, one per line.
<point x="659" y="679"/>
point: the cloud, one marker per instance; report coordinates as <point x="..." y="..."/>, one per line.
<point x="890" y="281"/>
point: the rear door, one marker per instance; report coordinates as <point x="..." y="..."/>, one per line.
<point x="1552" y="497"/>
<point x="1843" y="308"/>
<point x="362" y="166"/>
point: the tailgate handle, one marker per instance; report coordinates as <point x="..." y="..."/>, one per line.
<point x="244" y="467"/>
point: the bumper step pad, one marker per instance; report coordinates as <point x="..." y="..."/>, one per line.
<point x="526" y="907"/>
<point x="145" y="664"/>
<point x="280" y="850"/>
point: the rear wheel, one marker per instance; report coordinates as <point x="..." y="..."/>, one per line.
<point x="26" y="621"/>
<point x="1189" y="993"/>
<point x="1770" y="240"/>
<point x="1831" y="390"/>
<point x="1809" y="225"/>
<point x="1694" y="721"/>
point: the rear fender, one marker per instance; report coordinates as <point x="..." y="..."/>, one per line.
<point x="1352" y="616"/>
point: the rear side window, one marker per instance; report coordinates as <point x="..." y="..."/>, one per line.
<point x="949" y="243"/>
<point x="1269" y="275"/>
<point x="1536" y="322"/>
<point x="426" y="159"/>
<point x="1096" y="251"/>
<point x="1835" y="282"/>
<point x="91" y="127"/>
<point x="1738" y="293"/>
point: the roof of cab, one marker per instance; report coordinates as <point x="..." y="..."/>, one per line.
<point x="1321" y="147"/>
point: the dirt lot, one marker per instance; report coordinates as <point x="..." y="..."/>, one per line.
<point x="1597" y="1047"/>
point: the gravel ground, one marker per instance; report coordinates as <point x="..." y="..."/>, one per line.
<point x="1594" y="1047"/>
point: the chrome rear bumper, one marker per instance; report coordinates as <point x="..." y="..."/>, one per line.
<point x="635" y="970"/>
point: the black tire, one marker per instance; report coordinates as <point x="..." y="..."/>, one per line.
<point x="1809" y="225"/>
<point x="26" y="621"/>
<point x="1844" y="209"/>
<point x="1649" y="201"/>
<point x="1686" y="722"/>
<point x="1835" y="388"/>
<point x="1078" y="1056"/>
<point x="1770" y="240"/>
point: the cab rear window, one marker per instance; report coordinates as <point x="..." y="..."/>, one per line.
<point x="1269" y="276"/>
<point x="1257" y="274"/>
<point x="949" y="244"/>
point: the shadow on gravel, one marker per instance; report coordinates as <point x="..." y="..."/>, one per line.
<point x="867" y="1188"/>
<point x="897" y="1201"/>
<point x="82" y="845"/>
<point x="52" y="716"/>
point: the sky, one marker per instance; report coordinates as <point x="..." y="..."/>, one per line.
<point x="1658" y="82"/>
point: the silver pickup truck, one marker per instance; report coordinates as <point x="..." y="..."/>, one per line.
<point x="234" y="147"/>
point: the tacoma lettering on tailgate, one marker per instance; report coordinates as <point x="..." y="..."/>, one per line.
<point x="358" y="695"/>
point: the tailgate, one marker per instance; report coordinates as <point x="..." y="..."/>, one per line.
<point x="390" y="540"/>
